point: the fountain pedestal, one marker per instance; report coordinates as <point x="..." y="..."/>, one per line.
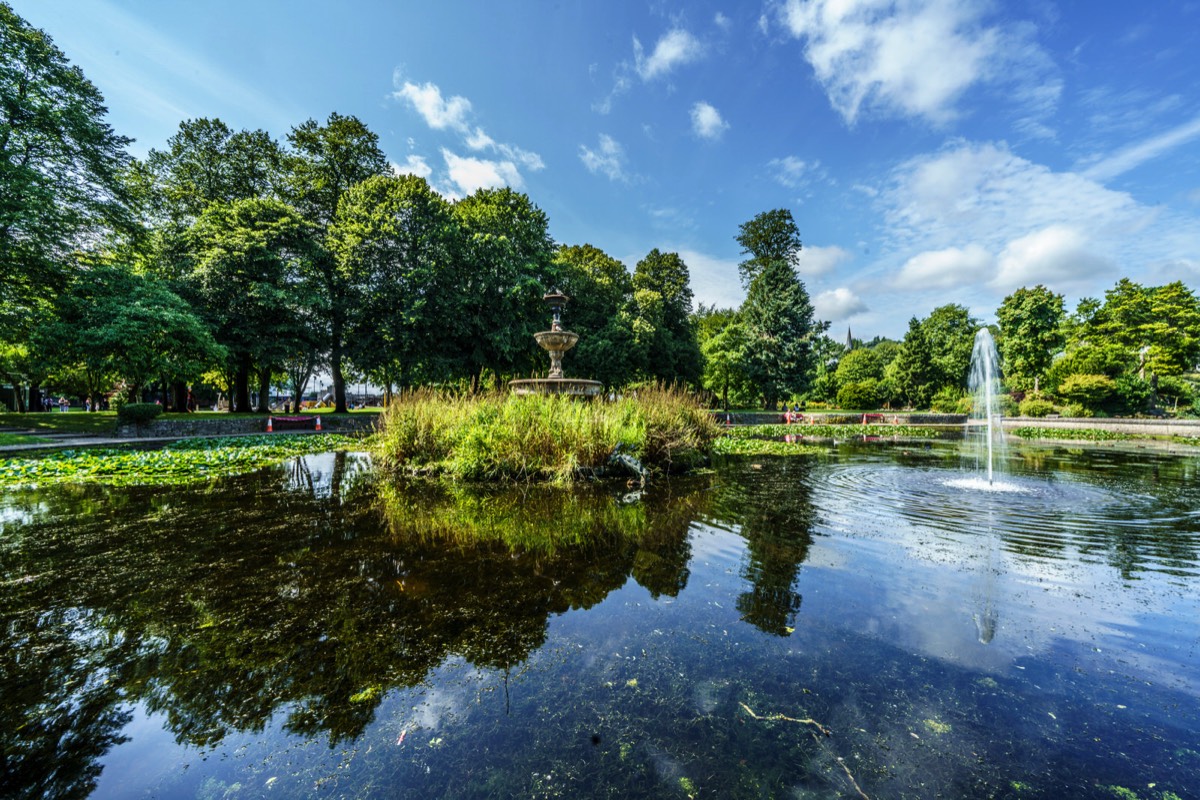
<point x="556" y="342"/>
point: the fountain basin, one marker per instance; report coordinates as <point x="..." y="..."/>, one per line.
<point x="577" y="387"/>
<point x="561" y="341"/>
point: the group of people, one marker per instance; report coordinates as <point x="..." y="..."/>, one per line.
<point x="64" y="404"/>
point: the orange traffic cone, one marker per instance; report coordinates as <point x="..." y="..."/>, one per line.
<point x="318" y="423"/>
<point x="270" y="429"/>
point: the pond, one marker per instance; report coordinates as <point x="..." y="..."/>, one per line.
<point x="861" y="623"/>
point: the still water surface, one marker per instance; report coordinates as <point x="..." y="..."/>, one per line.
<point x="863" y="624"/>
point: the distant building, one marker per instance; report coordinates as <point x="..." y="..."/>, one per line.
<point x="849" y="339"/>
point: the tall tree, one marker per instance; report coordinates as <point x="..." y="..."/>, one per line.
<point x="249" y="255"/>
<point x="393" y="237"/>
<point x="1160" y="323"/>
<point x="504" y="269"/>
<point x="913" y="372"/>
<point x="770" y="236"/>
<point x="663" y="293"/>
<point x="725" y="345"/>
<point x="324" y="162"/>
<point x="1031" y="333"/>
<point x="777" y="312"/>
<point x="60" y="166"/>
<point x="779" y="319"/>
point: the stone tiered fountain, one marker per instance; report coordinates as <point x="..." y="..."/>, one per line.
<point x="556" y="342"/>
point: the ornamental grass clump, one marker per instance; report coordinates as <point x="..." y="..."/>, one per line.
<point x="538" y="437"/>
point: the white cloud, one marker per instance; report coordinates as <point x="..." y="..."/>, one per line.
<point x="1055" y="255"/>
<point x="454" y="114"/>
<point x="838" y="304"/>
<point x="947" y="269"/>
<point x="815" y="261"/>
<point x="415" y="165"/>
<point x="980" y="219"/>
<point x="707" y="122"/>
<point x="983" y="193"/>
<point x="1137" y="154"/>
<point x="791" y="171"/>
<point x="675" y="48"/>
<point x="714" y="280"/>
<point x="469" y="174"/>
<point x="721" y="21"/>
<point x="914" y="57"/>
<point x="607" y="159"/>
<point x="437" y="112"/>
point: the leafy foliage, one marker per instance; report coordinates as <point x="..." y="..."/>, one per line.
<point x="182" y="462"/>
<point x="138" y="412"/>
<point x="60" y="168"/>
<point x="1030" y="334"/>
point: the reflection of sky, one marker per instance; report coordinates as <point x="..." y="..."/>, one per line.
<point x="923" y="586"/>
<point x="11" y="512"/>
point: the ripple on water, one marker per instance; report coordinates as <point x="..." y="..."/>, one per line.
<point x="1042" y="515"/>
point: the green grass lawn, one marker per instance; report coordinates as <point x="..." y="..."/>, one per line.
<point x="8" y="439"/>
<point x="57" y="422"/>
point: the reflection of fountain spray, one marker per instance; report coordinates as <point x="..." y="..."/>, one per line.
<point x="988" y="618"/>
<point x="984" y="384"/>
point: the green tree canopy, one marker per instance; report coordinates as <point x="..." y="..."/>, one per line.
<point x="394" y="238"/>
<point x="114" y="323"/>
<point x="250" y="256"/>
<point x="778" y="316"/>
<point x="1031" y="333"/>
<point x="504" y="269"/>
<point x="60" y="167"/>
<point x="770" y="236"/>
<point x="663" y="294"/>
<point x="324" y="162"/>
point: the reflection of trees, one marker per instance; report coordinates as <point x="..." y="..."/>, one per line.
<point x="775" y="510"/>
<point x="221" y="606"/>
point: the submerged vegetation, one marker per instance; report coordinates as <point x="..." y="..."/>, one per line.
<point x="540" y="438"/>
<point x="181" y="462"/>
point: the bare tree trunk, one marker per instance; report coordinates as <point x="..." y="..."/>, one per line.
<point x="264" y="391"/>
<point x="241" y="386"/>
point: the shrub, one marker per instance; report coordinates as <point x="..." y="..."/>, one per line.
<point x="860" y="394"/>
<point x="948" y="401"/>
<point x="1076" y="410"/>
<point x="1089" y="391"/>
<point x="1036" y="407"/>
<point x="1133" y="394"/>
<point x="138" y="413"/>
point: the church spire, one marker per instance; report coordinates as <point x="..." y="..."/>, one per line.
<point x="849" y="339"/>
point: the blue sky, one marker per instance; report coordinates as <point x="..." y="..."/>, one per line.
<point x="931" y="151"/>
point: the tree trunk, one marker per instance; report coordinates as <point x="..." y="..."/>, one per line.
<point x="18" y="400"/>
<point x="264" y="391"/>
<point x="241" y="386"/>
<point x="335" y="365"/>
<point x="179" y="396"/>
<point x="35" y="396"/>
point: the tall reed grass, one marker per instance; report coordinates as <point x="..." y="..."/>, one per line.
<point x="539" y="437"/>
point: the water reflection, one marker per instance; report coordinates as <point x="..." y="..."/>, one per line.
<point x="775" y="511"/>
<point x="299" y="590"/>
<point x="258" y="620"/>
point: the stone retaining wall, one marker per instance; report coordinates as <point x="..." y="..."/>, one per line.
<point x="837" y="418"/>
<point x="1135" y="427"/>
<point x="215" y="426"/>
